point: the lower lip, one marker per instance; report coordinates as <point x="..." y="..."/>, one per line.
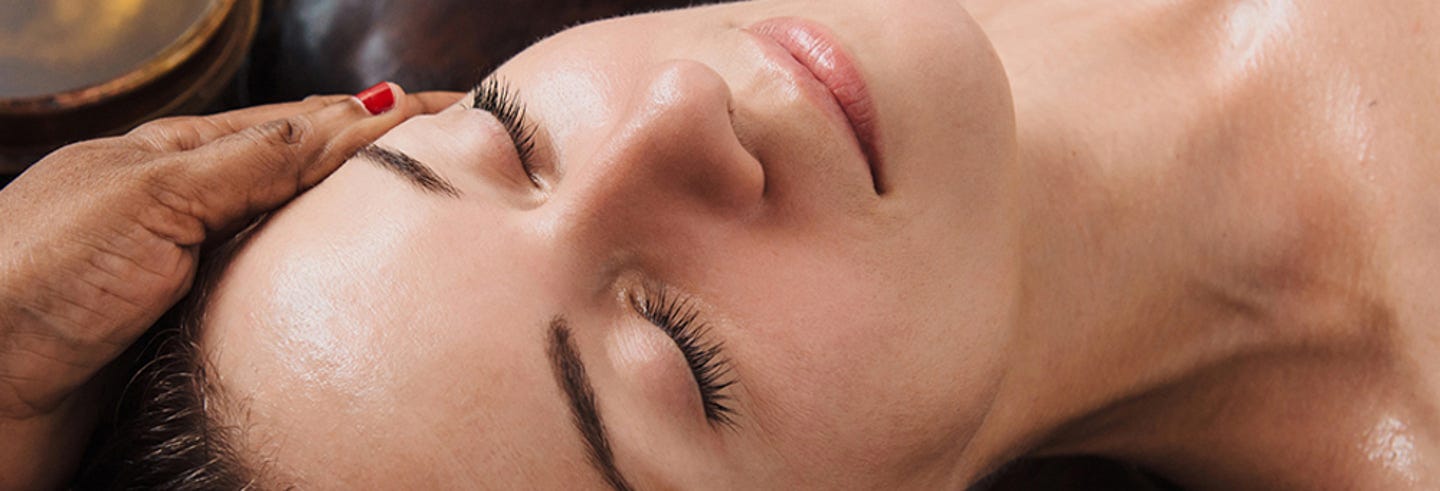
<point x="815" y="48"/>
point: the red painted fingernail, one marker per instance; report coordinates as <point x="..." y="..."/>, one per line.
<point x="378" y="98"/>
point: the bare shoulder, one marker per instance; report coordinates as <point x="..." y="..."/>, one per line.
<point x="1373" y="72"/>
<point x="1322" y="119"/>
<point x="1281" y="157"/>
<point x="1314" y="168"/>
<point x="1300" y="138"/>
<point x="1326" y="125"/>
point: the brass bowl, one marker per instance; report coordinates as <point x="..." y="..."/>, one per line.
<point x="73" y="70"/>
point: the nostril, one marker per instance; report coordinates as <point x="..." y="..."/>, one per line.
<point x="748" y="138"/>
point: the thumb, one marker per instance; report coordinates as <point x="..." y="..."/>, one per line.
<point x="232" y="179"/>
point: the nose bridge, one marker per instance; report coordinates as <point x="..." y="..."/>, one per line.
<point x="672" y="159"/>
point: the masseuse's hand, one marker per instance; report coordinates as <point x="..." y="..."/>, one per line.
<point x="100" y="238"/>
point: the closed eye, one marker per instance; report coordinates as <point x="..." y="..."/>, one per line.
<point x="711" y="369"/>
<point x="495" y="96"/>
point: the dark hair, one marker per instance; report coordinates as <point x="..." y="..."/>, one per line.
<point x="171" y="426"/>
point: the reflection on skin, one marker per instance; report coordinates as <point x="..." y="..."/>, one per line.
<point x="1254" y="27"/>
<point x="703" y="169"/>
<point x="1391" y="444"/>
<point x="1141" y="253"/>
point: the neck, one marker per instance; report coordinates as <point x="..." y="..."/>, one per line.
<point x="1174" y="312"/>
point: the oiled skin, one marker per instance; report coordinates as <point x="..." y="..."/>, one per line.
<point x="1233" y="219"/>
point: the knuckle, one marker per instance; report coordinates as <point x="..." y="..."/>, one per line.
<point x="176" y="199"/>
<point x="162" y="126"/>
<point x="283" y="132"/>
<point x="276" y="144"/>
<point x="170" y="185"/>
<point x="163" y="134"/>
<point x="151" y="126"/>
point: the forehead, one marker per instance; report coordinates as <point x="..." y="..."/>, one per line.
<point x="349" y="333"/>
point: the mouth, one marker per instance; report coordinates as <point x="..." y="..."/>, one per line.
<point x="825" y="60"/>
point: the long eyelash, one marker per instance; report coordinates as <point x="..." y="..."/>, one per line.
<point x="679" y="319"/>
<point x="496" y="97"/>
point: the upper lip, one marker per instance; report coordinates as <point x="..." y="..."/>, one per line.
<point x="821" y="55"/>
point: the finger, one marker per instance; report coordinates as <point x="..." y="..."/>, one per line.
<point x="178" y="134"/>
<point x="181" y="133"/>
<point x="235" y="121"/>
<point x="434" y="102"/>
<point x="256" y="170"/>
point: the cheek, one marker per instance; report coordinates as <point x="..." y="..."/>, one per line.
<point x="811" y="331"/>
<point x="841" y="354"/>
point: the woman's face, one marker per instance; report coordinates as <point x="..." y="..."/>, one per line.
<point x="692" y="177"/>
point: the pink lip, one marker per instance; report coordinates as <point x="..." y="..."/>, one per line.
<point x="815" y="48"/>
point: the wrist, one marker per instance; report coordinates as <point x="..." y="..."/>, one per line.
<point x="30" y="383"/>
<point x="43" y="451"/>
<point x="60" y="325"/>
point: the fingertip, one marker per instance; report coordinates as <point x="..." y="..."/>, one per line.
<point x="399" y="91"/>
<point x="435" y="101"/>
<point x="381" y="97"/>
<point x="405" y="103"/>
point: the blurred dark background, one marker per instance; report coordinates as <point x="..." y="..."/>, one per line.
<point x="342" y="46"/>
<point x="305" y="47"/>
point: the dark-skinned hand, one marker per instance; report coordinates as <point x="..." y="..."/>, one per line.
<point x="101" y="238"/>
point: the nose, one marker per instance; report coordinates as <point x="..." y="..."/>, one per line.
<point x="673" y="156"/>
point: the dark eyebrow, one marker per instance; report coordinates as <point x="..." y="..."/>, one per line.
<point x="407" y="167"/>
<point x="570" y="373"/>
